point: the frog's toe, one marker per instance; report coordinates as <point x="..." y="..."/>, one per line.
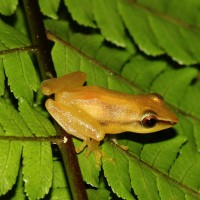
<point x="81" y="147"/>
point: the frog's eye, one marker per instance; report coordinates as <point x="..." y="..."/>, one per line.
<point x="149" y="121"/>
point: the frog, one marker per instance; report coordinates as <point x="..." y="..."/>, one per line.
<point x="89" y="113"/>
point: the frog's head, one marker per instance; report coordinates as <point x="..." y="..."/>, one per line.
<point x="154" y="114"/>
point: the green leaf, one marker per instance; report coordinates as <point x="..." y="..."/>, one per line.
<point x="174" y="90"/>
<point x="88" y="164"/>
<point x="11" y="121"/>
<point x="98" y="194"/>
<point x="142" y="72"/>
<point x="60" y="188"/>
<point x="49" y="8"/>
<point x="115" y="166"/>
<point x="63" y="66"/>
<point x="114" y="58"/>
<point x="141" y="177"/>
<point x="89" y="44"/>
<point x="110" y="23"/>
<point x="36" y="121"/>
<point x="58" y="27"/>
<point x="20" y="62"/>
<point x="25" y="76"/>
<point x="169" y="190"/>
<point x="136" y="21"/>
<point x="59" y="180"/>
<point x="163" y="154"/>
<point x="8" y="7"/>
<point x="37" y="169"/>
<point x="11" y="38"/>
<point x="19" y="194"/>
<point x="2" y="78"/>
<point x="60" y="193"/>
<point x="9" y="164"/>
<point x="155" y="32"/>
<point x="190" y="103"/>
<point x="81" y="11"/>
<point x="178" y="52"/>
<point x="190" y="170"/>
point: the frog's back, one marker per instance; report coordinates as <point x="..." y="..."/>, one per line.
<point x="93" y="95"/>
<point x="104" y="105"/>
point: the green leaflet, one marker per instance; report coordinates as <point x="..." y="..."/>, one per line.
<point x="174" y="90"/>
<point x="142" y="71"/>
<point x="60" y="193"/>
<point x="141" y="178"/>
<point x="7" y="40"/>
<point x="49" y="8"/>
<point x="37" y="169"/>
<point x="187" y="174"/>
<point x="25" y="76"/>
<point x="37" y="157"/>
<point x="81" y="11"/>
<point x="163" y="154"/>
<point x="169" y="190"/>
<point x="60" y="188"/>
<point x="19" y="195"/>
<point x="59" y="180"/>
<point x="89" y="170"/>
<point x="115" y="166"/>
<point x="89" y="44"/>
<point x="11" y="121"/>
<point x="10" y="155"/>
<point x="37" y="122"/>
<point x="154" y="29"/>
<point x="2" y="78"/>
<point x="98" y="194"/>
<point x="8" y="7"/>
<point x="19" y="62"/>
<point x="108" y="21"/>
<point x="58" y="27"/>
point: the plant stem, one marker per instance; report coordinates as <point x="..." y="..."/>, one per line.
<point x="37" y="33"/>
<point x="53" y="139"/>
<point x="45" y="63"/>
<point x="73" y="176"/>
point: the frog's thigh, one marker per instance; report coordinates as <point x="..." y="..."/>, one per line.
<point x="55" y="85"/>
<point x="75" y="121"/>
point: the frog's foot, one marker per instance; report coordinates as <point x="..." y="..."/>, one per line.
<point x="93" y="146"/>
<point x="83" y="145"/>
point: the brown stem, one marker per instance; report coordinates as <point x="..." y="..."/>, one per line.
<point x="37" y="32"/>
<point x="45" y="63"/>
<point x="74" y="176"/>
<point x="53" y="139"/>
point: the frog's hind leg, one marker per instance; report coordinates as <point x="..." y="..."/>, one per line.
<point x="55" y="85"/>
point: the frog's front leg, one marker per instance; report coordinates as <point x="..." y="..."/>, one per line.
<point x="78" y="123"/>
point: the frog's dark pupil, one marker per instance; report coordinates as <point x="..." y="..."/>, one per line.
<point x="151" y="122"/>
